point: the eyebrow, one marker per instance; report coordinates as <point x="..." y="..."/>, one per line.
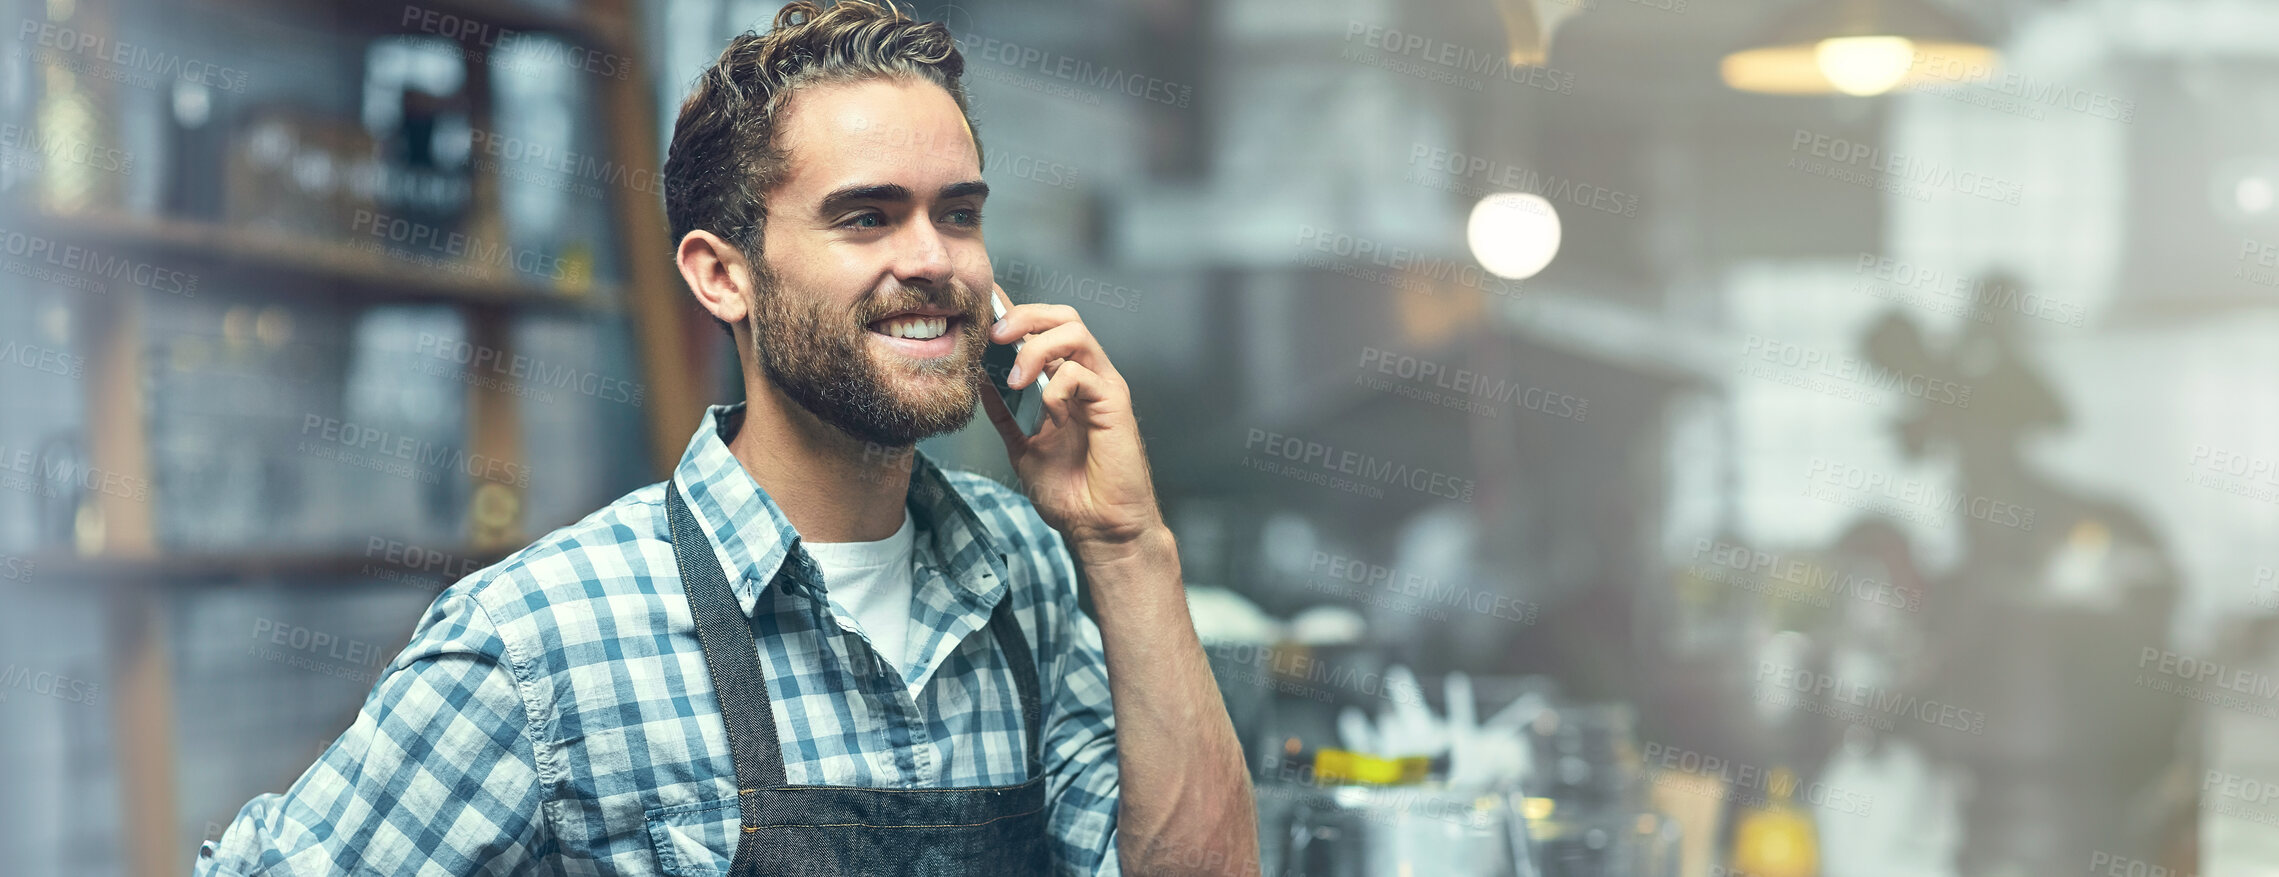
<point x="895" y="194"/>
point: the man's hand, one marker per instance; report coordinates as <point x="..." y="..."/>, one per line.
<point x="1184" y="802"/>
<point x="1086" y="468"/>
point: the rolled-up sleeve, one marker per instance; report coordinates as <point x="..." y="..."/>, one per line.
<point x="436" y="776"/>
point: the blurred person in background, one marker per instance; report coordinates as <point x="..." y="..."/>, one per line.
<point x="813" y="651"/>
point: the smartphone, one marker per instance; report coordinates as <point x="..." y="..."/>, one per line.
<point x="1027" y="403"/>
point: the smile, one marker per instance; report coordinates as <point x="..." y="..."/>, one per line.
<point x="919" y="336"/>
<point x="913" y="327"/>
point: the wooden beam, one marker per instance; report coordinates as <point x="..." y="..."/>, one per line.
<point x="672" y="355"/>
<point x="117" y="524"/>
<point x="494" y="433"/>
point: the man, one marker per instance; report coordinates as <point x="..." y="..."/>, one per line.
<point x="812" y="651"/>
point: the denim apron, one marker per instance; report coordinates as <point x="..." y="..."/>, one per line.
<point x="814" y="831"/>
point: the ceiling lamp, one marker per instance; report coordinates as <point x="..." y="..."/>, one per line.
<point x="1528" y="25"/>
<point x="1860" y="47"/>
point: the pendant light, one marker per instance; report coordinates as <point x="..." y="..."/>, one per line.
<point x="1528" y="25"/>
<point x="1860" y="47"/>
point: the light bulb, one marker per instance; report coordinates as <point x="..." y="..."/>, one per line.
<point x="2254" y="195"/>
<point x="1513" y="234"/>
<point x="1865" y="66"/>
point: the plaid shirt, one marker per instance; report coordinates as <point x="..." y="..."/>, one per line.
<point x="553" y="713"/>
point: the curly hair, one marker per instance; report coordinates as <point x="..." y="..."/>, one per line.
<point x="724" y="153"/>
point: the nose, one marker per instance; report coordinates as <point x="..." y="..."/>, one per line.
<point x="922" y="257"/>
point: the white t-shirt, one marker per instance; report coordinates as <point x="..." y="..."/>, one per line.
<point x="871" y="582"/>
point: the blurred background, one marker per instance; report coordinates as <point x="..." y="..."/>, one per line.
<point x="1661" y="437"/>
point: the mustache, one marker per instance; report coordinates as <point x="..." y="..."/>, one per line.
<point x="955" y="295"/>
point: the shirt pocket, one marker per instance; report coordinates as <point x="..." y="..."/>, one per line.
<point x="695" y="840"/>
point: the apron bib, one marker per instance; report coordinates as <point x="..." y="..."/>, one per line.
<point x="826" y="831"/>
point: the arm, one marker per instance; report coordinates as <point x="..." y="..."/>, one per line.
<point x="1185" y="798"/>
<point x="1187" y="804"/>
<point x="436" y="775"/>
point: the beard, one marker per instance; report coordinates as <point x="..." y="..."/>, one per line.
<point x="823" y="359"/>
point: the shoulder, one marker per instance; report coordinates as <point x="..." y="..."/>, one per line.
<point x="574" y="575"/>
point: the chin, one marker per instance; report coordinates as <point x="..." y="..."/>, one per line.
<point x="924" y="407"/>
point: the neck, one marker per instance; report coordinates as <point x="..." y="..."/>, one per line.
<point x="832" y="486"/>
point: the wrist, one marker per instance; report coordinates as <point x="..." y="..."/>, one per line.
<point x="1153" y="548"/>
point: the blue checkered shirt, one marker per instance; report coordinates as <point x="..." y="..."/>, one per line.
<point x="553" y="713"/>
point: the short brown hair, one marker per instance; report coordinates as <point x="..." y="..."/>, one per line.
<point x="724" y="153"/>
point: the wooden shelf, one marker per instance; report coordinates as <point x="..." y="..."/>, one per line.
<point x="594" y="28"/>
<point x="234" y="569"/>
<point x="280" y="264"/>
<point x="590" y="28"/>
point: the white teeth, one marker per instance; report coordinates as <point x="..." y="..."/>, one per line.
<point x="916" y="328"/>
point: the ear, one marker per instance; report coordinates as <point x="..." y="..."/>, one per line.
<point x="717" y="273"/>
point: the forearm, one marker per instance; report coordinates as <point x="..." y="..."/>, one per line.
<point x="1185" y="799"/>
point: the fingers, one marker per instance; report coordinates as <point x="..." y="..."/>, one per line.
<point x="1057" y="345"/>
<point x="1073" y="388"/>
<point x="1030" y="319"/>
<point x="1072" y="341"/>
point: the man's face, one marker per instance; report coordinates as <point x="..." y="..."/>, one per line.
<point x="873" y="288"/>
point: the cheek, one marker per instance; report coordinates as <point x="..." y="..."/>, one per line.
<point x="976" y="273"/>
<point x="825" y="282"/>
<point x="803" y="263"/>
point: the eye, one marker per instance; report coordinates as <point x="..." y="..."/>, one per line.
<point x="866" y="219"/>
<point x="965" y="216"/>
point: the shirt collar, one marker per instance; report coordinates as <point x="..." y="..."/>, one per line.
<point x="752" y="538"/>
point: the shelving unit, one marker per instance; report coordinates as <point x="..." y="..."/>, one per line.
<point x="287" y="261"/>
<point x="118" y="553"/>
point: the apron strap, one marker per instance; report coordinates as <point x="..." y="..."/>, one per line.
<point x="731" y="654"/>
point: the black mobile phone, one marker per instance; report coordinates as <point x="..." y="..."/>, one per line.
<point x="1027" y="403"/>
